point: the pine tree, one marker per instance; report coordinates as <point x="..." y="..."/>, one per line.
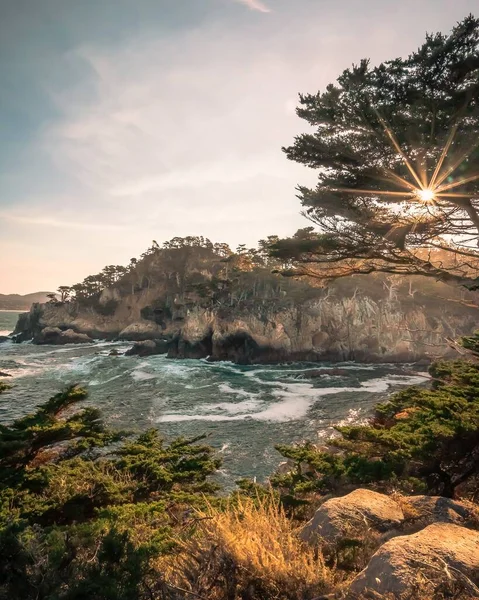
<point x="397" y="152"/>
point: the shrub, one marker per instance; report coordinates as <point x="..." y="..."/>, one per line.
<point x="248" y="549"/>
<point x="422" y="440"/>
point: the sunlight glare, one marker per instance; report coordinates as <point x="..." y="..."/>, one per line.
<point x="427" y="195"/>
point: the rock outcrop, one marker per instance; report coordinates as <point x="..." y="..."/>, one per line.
<point x="140" y="331"/>
<point x="415" y="565"/>
<point x="55" y="336"/>
<point x="148" y="348"/>
<point x="436" y="509"/>
<point x="352" y="515"/>
<point x="208" y="308"/>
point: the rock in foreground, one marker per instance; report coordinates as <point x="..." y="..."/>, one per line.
<point x="351" y="515"/>
<point x="415" y="565"/>
<point x="437" y="509"/>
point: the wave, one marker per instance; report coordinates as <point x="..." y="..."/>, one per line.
<point x="295" y="401"/>
<point x="227" y="389"/>
<point x="139" y="375"/>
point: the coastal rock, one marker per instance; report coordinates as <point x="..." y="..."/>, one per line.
<point x="140" y="331"/>
<point x="437" y="509"/>
<point x="5" y="338"/>
<point x="148" y="348"/>
<point x="351" y="515"/>
<point x="55" y="336"/>
<point x="2" y="374"/>
<point x="414" y="565"/>
<point x="254" y="320"/>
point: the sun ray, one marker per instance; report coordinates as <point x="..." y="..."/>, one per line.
<point x="454" y="195"/>
<point x="400" y="179"/>
<point x="421" y="166"/>
<point x="456" y="163"/>
<point x="444" y="153"/>
<point x="450" y="186"/>
<point x="399" y="150"/>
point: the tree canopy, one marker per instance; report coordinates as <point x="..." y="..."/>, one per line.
<point x="396" y="147"/>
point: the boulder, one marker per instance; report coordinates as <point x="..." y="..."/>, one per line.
<point x="181" y="347"/>
<point x="436" y="509"/>
<point x="55" y="336"/>
<point x="2" y="374"/>
<point x="351" y="515"/>
<point x="140" y="331"/>
<point x="148" y="348"/>
<point x="419" y="565"/>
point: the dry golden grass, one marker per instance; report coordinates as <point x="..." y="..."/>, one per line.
<point x="248" y="550"/>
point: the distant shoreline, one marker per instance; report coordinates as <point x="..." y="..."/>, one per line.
<point x="16" y="310"/>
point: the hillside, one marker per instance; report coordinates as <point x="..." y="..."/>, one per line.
<point x="19" y="302"/>
<point x="203" y="299"/>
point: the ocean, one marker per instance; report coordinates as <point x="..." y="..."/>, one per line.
<point x="243" y="410"/>
<point x="8" y="318"/>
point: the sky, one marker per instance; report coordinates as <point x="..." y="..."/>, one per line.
<point x="127" y="121"/>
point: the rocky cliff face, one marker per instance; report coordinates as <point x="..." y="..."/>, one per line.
<point x="202" y="300"/>
<point x="355" y="327"/>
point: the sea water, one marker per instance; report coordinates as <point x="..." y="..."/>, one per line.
<point x="243" y="410"/>
<point x="8" y="319"/>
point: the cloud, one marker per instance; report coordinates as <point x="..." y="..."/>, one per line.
<point x="47" y="222"/>
<point x="255" y="5"/>
<point x="172" y="143"/>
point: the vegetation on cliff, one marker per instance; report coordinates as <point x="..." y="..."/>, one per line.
<point x="204" y="300"/>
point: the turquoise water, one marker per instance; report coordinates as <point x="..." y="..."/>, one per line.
<point x="244" y="410"/>
<point x="8" y="318"/>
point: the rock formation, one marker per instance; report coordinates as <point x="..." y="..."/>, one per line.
<point x="208" y="307"/>
<point x="414" y="565"/>
<point x="352" y="515"/>
<point x="413" y="547"/>
<point x="54" y="335"/>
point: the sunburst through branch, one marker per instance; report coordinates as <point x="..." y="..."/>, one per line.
<point x="426" y="190"/>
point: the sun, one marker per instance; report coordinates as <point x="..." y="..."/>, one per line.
<point x="426" y="195"/>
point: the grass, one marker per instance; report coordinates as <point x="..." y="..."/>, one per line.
<point x="248" y="549"/>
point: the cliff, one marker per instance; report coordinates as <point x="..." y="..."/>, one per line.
<point x="208" y="305"/>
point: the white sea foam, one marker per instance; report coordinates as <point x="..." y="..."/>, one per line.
<point x="296" y="399"/>
<point x="96" y="382"/>
<point x="139" y="375"/>
<point x="174" y="369"/>
<point x="227" y="389"/>
<point x="233" y="407"/>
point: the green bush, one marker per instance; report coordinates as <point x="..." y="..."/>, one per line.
<point x="83" y="509"/>
<point x="421" y="440"/>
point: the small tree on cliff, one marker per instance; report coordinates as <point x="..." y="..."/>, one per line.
<point x="397" y="151"/>
<point x="64" y="291"/>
